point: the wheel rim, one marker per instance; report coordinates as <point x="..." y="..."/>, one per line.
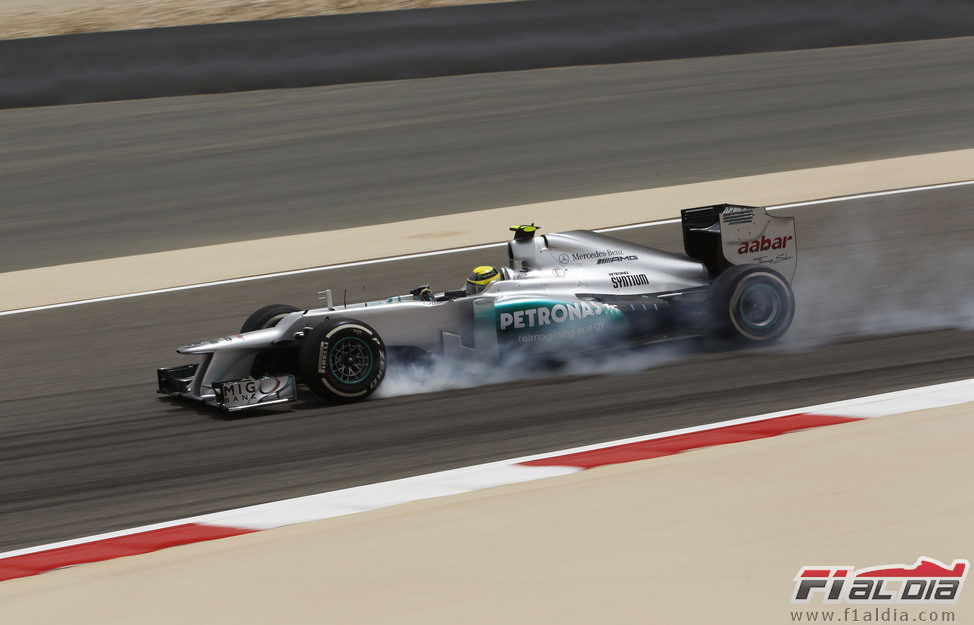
<point x="350" y="360"/>
<point x="759" y="306"/>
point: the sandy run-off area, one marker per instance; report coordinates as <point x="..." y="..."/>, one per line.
<point x="709" y="536"/>
<point x="39" y="18"/>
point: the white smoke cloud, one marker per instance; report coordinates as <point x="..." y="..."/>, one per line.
<point x="871" y="284"/>
<point x="440" y="374"/>
<point x="856" y="277"/>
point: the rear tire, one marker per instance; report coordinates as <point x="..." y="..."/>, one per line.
<point x="752" y="304"/>
<point x="267" y="317"/>
<point x="342" y="360"/>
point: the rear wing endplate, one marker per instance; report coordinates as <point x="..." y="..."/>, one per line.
<point x="725" y="235"/>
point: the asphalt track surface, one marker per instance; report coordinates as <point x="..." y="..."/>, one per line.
<point x="105" y="180"/>
<point x="88" y="447"/>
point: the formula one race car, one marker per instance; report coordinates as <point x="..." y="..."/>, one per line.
<point x="562" y="293"/>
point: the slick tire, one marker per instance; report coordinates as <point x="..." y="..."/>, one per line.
<point x="751" y="304"/>
<point x="267" y="317"/>
<point x="342" y="360"/>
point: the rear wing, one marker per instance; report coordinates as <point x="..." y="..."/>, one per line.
<point x="725" y="235"/>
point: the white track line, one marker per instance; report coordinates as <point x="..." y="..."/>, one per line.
<point x="859" y="196"/>
<point x="262" y="276"/>
<point x="455" y="250"/>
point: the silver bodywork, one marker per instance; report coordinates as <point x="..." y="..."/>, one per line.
<point x="557" y="288"/>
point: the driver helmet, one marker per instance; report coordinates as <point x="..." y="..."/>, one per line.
<point x="480" y="278"/>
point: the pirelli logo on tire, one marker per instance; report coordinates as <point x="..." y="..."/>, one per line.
<point x="323" y="357"/>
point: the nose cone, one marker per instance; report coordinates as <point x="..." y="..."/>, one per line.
<point x="258" y="339"/>
<point x="197" y="348"/>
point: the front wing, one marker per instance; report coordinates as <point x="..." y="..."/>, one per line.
<point x="228" y="395"/>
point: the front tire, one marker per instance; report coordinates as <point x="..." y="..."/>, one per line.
<point x="342" y="360"/>
<point x="752" y="304"/>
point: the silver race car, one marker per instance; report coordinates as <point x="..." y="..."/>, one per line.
<point x="567" y="292"/>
